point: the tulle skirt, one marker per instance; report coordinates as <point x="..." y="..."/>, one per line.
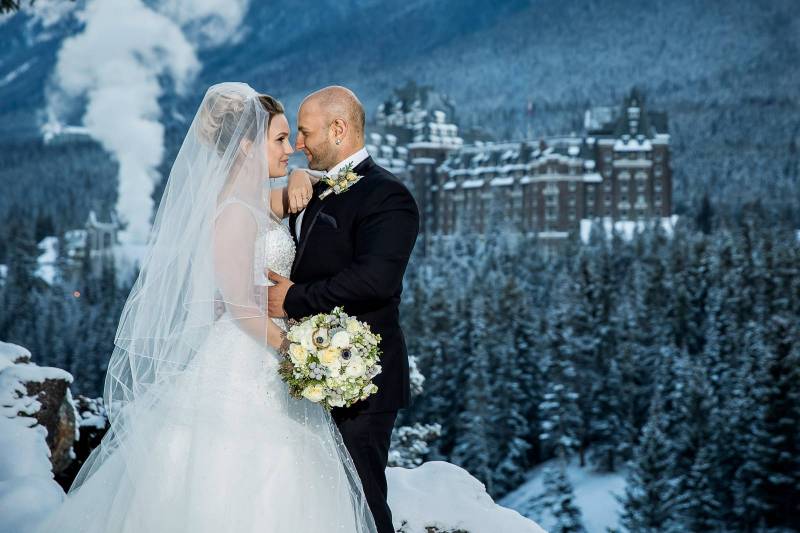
<point x="221" y="447"/>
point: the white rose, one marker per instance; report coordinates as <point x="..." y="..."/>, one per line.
<point x="306" y="335"/>
<point x="330" y="357"/>
<point x="356" y="367"/>
<point x="353" y="326"/>
<point x="298" y="354"/>
<point x="315" y="393"/>
<point x="341" y="339"/>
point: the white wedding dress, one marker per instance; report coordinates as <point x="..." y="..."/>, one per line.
<point x="224" y="448"/>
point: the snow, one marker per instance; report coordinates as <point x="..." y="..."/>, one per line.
<point x="633" y="145"/>
<point x="595" y="494"/>
<point x="27" y="488"/>
<point x="626" y="228"/>
<point x="13" y="394"/>
<point x="11" y="352"/>
<point x="472" y="184"/>
<point x="553" y="234"/>
<point x="443" y="495"/>
<point x="502" y="182"/>
<point x="47" y="260"/>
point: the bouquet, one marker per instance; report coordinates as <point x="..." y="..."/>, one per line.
<point x="331" y="359"/>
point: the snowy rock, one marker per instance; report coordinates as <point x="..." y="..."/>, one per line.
<point x="27" y="488"/>
<point x="442" y="497"/>
<point x="13" y="353"/>
<point x="41" y="394"/>
<point x="92" y="425"/>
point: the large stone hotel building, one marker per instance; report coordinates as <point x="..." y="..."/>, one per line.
<point x="618" y="169"/>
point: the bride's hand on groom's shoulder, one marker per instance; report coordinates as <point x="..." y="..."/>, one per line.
<point x="299" y="190"/>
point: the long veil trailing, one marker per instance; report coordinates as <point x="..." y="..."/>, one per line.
<point x="204" y="436"/>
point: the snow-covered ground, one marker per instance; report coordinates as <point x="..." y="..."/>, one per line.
<point x="443" y="495"/>
<point x="27" y="487"/>
<point x="594" y="494"/>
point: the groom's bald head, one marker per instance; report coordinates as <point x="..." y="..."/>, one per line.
<point x="339" y="102"/>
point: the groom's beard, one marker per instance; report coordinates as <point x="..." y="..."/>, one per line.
<point x="322" y="159"/>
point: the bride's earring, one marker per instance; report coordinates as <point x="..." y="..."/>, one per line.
<point x="338" y="141"/>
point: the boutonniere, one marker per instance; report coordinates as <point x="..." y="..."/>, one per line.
<point x="339" y="183"/>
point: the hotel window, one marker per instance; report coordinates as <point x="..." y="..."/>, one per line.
<point x="658" y="170"/>
<point x="571" y="186"/>
<point x="657" y="185"/>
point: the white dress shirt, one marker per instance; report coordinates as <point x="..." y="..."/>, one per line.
<point x="355" y="159"/>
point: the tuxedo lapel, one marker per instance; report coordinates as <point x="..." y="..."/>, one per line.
<point x="315" y="207"/>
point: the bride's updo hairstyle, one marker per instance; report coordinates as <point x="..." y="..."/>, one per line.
<point x="224" y="112"/>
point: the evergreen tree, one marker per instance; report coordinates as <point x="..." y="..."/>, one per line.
<point x="769" y="479"/>
<point x="474" y="442"/>
<point x="649" y="500"/>
<point x="560" y="501"/>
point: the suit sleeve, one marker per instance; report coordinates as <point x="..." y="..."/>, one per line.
<point x="384" y="238"/>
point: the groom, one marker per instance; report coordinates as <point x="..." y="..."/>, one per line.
<point x="352" y="251"/>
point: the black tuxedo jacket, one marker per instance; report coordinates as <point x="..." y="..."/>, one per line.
<point x="353" y="252"/>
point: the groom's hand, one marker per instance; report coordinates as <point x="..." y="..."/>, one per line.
<point x="277" y="294"/>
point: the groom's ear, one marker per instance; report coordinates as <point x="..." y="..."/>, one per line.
<point x="339" y="128"/>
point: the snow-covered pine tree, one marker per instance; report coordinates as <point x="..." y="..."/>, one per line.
<point x="769" y="478"/>
<point x="511" y="394"/>
<point x="649" y="499"/>
<point x="559" y="412"/>
<point x="475" y="443"/>
<point x="559" y="501"/>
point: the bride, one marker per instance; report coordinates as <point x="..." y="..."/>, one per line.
<point x="204" y="436"/>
